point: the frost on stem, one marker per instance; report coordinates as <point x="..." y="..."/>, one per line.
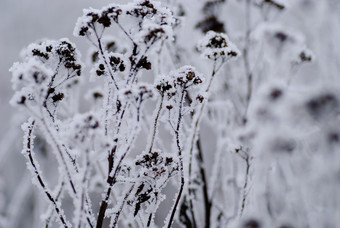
<point x="181" y="80"/>
<point x="33" y="166"/>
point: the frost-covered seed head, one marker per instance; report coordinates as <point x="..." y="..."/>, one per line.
<point x="200" y="98"/>
<point x="116" y="62"/>
<point x="143" y="9"/>
<point x="217" y="45"/>
<point x="185" y="77"/>
<point x="92" y="16"/>
<point x="163" y="86"/>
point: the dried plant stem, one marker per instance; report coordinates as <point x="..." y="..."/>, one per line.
<point x="58" y="147"/>
<point x="38" y="175"/>
<point x="249" y="74"/>
<point x="180" y="156"/>
<point x="110" y="179"/>
<point x="195" y="138"/>
<point x="245" y="185"/>
<point x="116" y="219"/>
<point x="156" y="123"/>
<point x="104" y="57"/>
<point x="48" y="220"/>
<point x="150" y="150"/>
<point x="112" y="175"/>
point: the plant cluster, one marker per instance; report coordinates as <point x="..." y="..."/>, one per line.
<point x="170" y="140"/>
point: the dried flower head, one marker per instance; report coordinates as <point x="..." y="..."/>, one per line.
<point x="156" y="165"/>
<point x="217" y="45"/>
<point x="185" y="77"/>
<point x="90" y="17"/>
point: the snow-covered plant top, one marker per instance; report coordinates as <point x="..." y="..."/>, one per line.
<point x="217" y="45"/>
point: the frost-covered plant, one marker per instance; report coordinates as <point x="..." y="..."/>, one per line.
<point x="102" y="139"/>
<point x="207" y="132"/>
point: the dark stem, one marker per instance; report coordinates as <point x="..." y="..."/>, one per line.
<point x="38" y="175"/>
<point x="249" y="74"/>
<point x="56" y="199"/>
<point x="111" y="179"/>
<point x="174" y="209"/>
<point x="244" y="197"/>
<point x="155" y="123"/>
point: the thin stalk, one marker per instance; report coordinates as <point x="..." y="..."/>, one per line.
<point x="104" y="57"/>
<point x="156" y="123"/>
<point x="58" y="147"/>
<point x="249" y="74"/>
<point x="37" y="173"/>
<point x="83" y="191"/>
<point x="202" y="171"/>
<point x="180" y="160"/>
<point x="48" y="220"/>
<point x="111" y="179"/>
<point x="245" y="185"/>
<point x="150" y="150"/>
<point x="115" y="221"/>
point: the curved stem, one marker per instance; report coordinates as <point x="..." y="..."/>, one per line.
<point x="37" y="173"/>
